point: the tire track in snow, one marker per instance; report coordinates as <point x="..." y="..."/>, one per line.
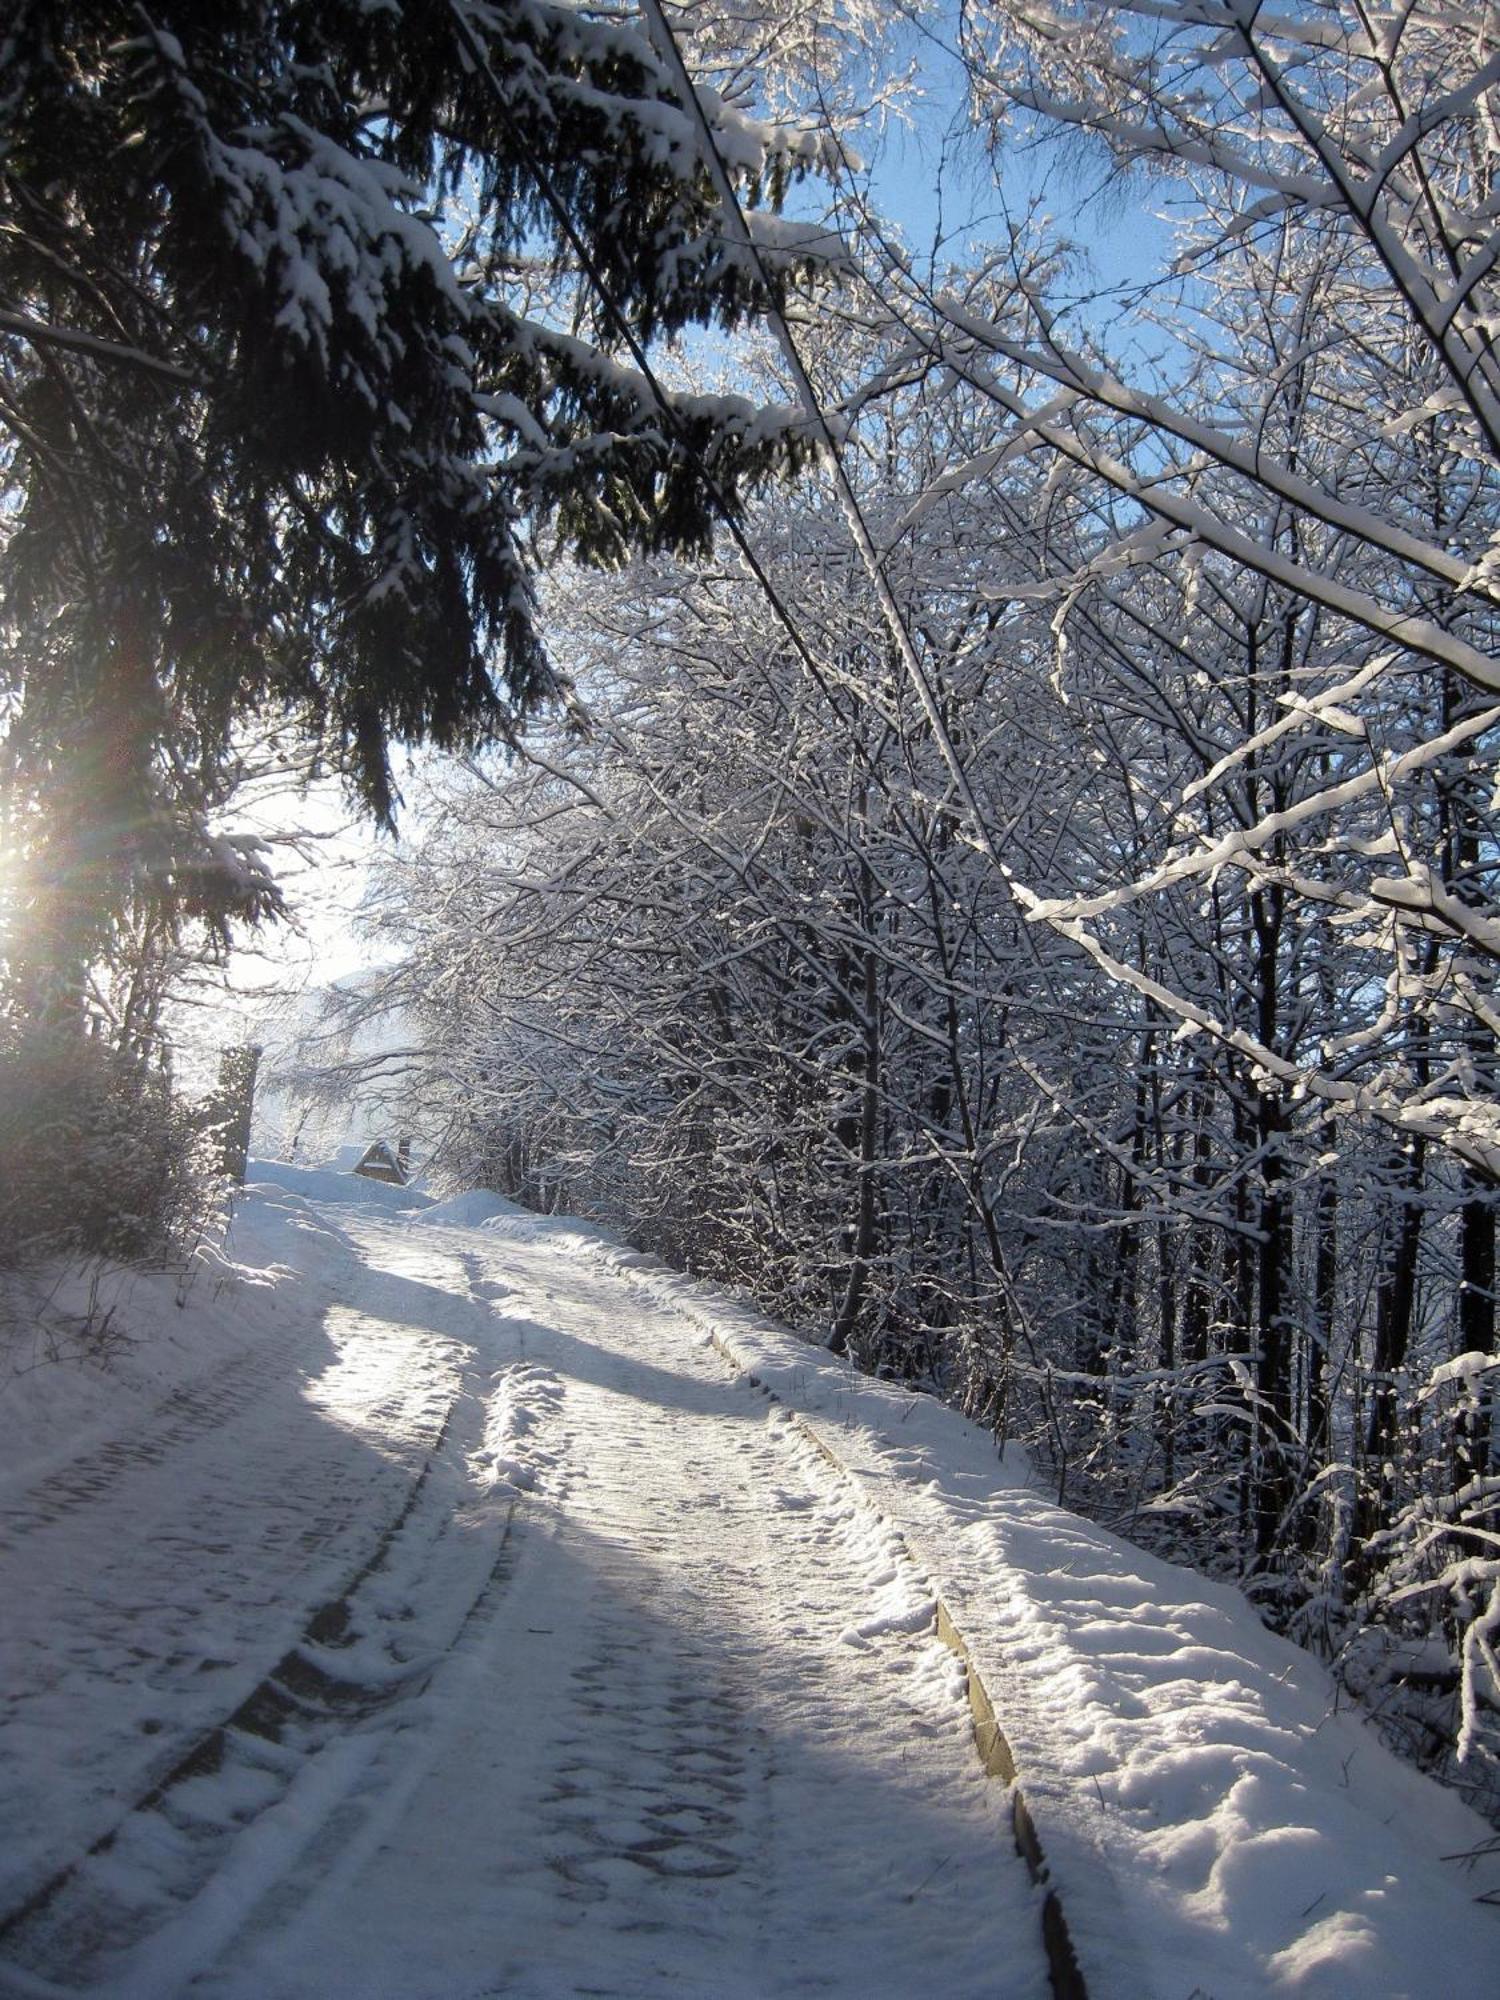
<point x="689" y="1730"/>
<point x="177" y="1420"/>
<point x="993" y="1750"/>
<point x="990" y="1744"/>
<point x="158" y="1591"/>
<point x="362" y="1656"/>
<point x="712" y="1746"/>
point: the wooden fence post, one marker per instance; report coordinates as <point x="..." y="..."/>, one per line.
<point x="234" y="1105"/>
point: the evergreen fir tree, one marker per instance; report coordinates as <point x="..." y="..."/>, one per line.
<point x="299" y="372"/>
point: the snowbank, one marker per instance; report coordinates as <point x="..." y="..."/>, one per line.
<point x="332" y="1184"/>
<point x="470" y="1211"/>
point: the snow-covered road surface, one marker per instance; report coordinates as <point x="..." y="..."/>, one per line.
<point x="456" y="1602"/>
<point x="478" y="1632"/>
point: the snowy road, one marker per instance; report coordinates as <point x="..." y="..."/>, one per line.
<point x="479" y="1634"/>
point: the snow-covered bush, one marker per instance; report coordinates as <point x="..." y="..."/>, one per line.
<point x="98" y="1156"/>
<point x="1433" y="1651"/>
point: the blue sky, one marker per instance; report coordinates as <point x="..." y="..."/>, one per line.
<point x="934" y="174"/>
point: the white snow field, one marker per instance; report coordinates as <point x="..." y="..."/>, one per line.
<point x="446" y="1601"/>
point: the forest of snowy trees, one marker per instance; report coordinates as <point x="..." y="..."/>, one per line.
<point x="1019" y="898"/>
